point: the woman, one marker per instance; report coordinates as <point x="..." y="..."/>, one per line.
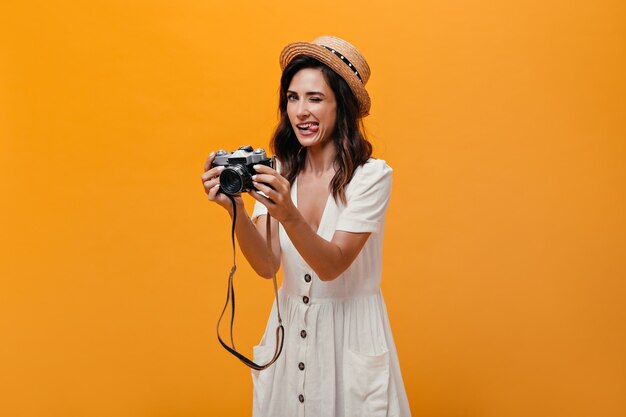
<point x="329" y="202"/>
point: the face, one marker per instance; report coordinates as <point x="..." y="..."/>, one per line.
<point x="311" y="107"/>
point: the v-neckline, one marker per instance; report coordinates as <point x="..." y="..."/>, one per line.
<point x="295" y="201"/>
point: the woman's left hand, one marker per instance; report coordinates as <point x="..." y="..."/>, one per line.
<point x="277" y="188"/>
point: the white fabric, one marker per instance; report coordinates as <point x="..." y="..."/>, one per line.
<point x="351" y="367"/>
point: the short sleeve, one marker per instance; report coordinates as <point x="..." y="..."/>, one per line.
<point x="367" y="198"/>
<point x="259" y="210"/>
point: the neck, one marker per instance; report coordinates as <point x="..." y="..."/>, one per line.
<point x="320" y="159"/>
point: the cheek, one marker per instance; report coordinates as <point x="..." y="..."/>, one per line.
<point x="290" y="113"/>
<point x="331" y="117"/>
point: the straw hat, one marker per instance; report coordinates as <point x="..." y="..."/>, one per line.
<point x="342" y="57"/>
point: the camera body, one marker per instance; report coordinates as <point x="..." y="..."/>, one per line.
<point x="237" y="175"/>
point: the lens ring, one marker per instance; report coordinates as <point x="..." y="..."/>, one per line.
<point x="232" y="179"/>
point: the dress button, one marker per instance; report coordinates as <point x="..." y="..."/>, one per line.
<point x="307" y="278"/>
<point x="305" y="299"/>
<point x="303" y="334"/>
<point x="301" y="366"/>
<point x="301" y="398"/>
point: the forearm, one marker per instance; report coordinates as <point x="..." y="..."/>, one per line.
<point x="326" y="258"/>
<point x="253" y="244"/>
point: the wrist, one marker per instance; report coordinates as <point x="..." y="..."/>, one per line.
<point x="239" y="206"/>
<point x="293" y="220"/>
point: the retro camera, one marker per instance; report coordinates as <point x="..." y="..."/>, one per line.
<point x="237" y="175"/>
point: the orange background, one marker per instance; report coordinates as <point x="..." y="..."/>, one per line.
<point x="505" y="250"/>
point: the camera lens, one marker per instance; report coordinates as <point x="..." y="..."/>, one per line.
<point x="235" y="179"/>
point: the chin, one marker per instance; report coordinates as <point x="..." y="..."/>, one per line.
<point x="308" y="143"/>
<point x="312" y="141"/>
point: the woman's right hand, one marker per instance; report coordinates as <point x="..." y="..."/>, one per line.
<point x="211" y="183"/>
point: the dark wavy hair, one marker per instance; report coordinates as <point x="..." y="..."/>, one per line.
<point x="353" y="148"/>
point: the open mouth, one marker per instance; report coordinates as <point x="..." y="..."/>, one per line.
<point x="308" y="127"/>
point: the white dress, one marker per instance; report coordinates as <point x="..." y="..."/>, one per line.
<point x="339" y="358"/>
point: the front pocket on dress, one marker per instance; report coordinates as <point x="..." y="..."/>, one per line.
<point x="261" y="379"/>
<point x="366" y="382"/>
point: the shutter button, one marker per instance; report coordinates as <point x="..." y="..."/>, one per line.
<point x="307" y="278"/>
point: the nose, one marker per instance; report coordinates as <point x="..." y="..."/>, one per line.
<point x="303" y="111"/>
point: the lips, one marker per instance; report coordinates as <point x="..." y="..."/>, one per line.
<point x="308" y="127"/>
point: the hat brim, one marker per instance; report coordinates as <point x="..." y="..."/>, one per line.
<point x="326" y="57"/>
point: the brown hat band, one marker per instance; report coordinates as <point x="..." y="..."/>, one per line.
<point x="345" y="61"/>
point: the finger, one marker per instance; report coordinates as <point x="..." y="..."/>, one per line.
<point x="209" y="161"/>
<point x="213" y="172"/>
<point x="266" y="179"/>
<point x="261" y="198"/>
<point x="266" y="173"/>
<point x="264" y="169"/>
<point x="212" y="192"/>
<point x="268" y="191"/>
<point x="210" y="184"/>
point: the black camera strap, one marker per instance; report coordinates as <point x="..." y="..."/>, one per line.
<point x="230" y="298"/>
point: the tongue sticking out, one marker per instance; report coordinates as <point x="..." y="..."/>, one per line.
<point x="308" y="128"/>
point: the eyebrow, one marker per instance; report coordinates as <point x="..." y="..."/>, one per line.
<point x="310" y="93"/>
